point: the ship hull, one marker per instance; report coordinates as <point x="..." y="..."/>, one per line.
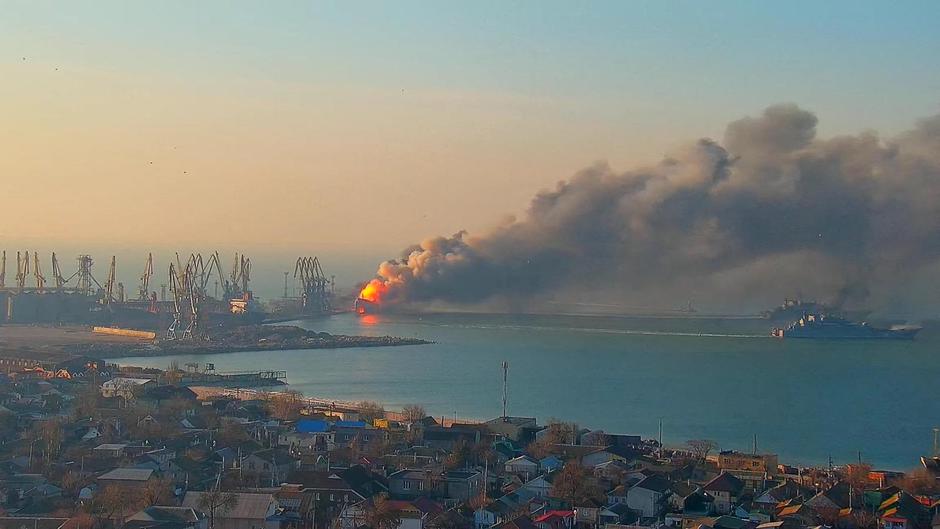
<point x="816" y="328"/>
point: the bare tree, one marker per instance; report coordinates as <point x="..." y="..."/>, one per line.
<point x="370" y="410"/>
<point x="380" y="514"/>
<point x="700" y="448"/>
<point x="156" y="492"/>
<point x="217" y="502"/>
<point x="918" y="481"/>
<point x="575" y="486"/>
<point x="414" y="412"/>
<point x="286" y="405"/>
<point x="111" y="504"/>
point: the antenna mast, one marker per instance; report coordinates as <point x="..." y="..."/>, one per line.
<point x="505" y="388"/>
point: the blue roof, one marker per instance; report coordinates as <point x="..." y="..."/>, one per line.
<point x="350" y="424"/>
<point x="312" y="426"/>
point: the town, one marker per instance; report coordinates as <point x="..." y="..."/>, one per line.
<point x="91" y="445"/>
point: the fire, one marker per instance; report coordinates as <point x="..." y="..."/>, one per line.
<point x="373" y="291"/>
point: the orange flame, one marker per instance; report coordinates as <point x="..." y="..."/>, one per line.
<point x="373" y="291"/>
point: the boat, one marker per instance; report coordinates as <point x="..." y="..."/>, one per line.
<point x="793" y="309"/>
<point x="821" y="326"/>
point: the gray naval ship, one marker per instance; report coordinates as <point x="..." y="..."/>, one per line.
<point x="821" y="326"/>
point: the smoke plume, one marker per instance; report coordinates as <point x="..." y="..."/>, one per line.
<point x="770" y="211"/>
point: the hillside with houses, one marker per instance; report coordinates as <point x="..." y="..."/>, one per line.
<point x="87" y="445"/>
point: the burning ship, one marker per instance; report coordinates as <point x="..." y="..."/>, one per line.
<point x="370" y="297"/>
<point x="820" y="326"/>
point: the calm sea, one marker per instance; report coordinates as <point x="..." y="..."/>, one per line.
<point x="720" y="379"/>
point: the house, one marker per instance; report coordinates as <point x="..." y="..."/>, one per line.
<point x="734" y="460"/>
<point x="617" y="495"/>
<point x="125" y="388"/>
<point x="834" y="499"/>
<point x="326" y="487"/>
<point x="768" y="500"/>
<point x="550" y="463"/>
<point x="555" y="520"/>
<point x="689" y="499"/>
<point x="114" y="450"/>
<point x="310" y="435"/>
<point x="523" y="466"/>
<point x="458" y="485"/>
<point x="294" y="508"/>
<point x="345" y="432"/>
<point x="903" y="511"/>
<point x="619" y="514"/>
<point x="725" y="489"/>
<point x="519" y="522"/>
<point x="160" y="517"/>
<point x="462" y="485"/>
<point x="365" y="482"/>
<point x="126" y="477"/>
<point x="272" y="463"/>
<point x="518" y="429"/>
<point x="598" y="457"/>
<point x="648" y="497"/>
<point x="153" y="397"/>
<point x="250" y="511"/>
<point x="614" y="472"/>
<point x="414" y="514"/>
<point x="540" y="486"/>
<point x="34" y="522"/>
<point x="411" y="483"/>
<point x="600" y="437"/>
<point x="449" y="438"/>
<point x="800" y="512"/>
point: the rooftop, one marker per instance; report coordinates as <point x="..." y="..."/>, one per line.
<point x="128" y="474"/>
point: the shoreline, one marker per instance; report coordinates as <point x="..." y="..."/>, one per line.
<point x="50" y="344"/>
<point x="207" y="348"/>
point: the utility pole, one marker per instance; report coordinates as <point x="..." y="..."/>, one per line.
<point x="285" y="284"/>
<point x="755" y="444"/>
<point x="505" y="389"/>
<point x="936" y="442"/>
<point x="660" y="437"/>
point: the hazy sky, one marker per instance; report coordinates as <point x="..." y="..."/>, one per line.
<point x="356" y="128"/>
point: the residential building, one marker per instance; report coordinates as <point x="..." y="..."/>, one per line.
<point x="734" y="460"/>
<point x="126" y="477"/>
<point x="523" y="466"/>
<point x="250" y="510"/>
<point x="725" y="489"/>
<point x="648" y="497"/>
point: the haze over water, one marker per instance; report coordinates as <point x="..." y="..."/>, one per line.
<point x="720" y="379"/>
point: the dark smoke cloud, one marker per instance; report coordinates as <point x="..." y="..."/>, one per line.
<point x="771" y="210"/>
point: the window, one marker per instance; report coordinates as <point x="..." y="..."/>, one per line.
<point x="406" y="485"/>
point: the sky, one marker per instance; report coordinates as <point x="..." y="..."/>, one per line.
<point x="350" y="130"/>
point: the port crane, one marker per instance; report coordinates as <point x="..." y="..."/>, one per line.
<point x="240" y="276"/>
<point x="57" y="273"/>
<point x="177" y="302"/>
<point x="317" y="289"/>
<point x="37" y="273"/>
<point x="143" y="290"/>
<point x="22" y="270"/>
<point x="109" y="285"/>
